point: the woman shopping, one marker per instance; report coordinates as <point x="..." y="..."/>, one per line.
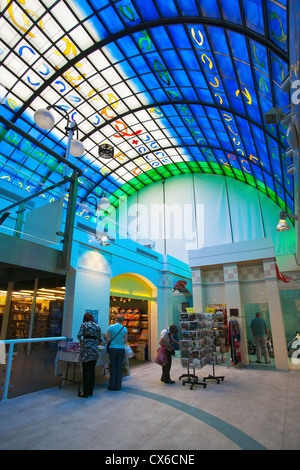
<point x="89" y="336"/>
<point x="116" y="338"/>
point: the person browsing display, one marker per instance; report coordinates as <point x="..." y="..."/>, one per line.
<point x="89" y="337"/>
<point x="167" y="341"/>
<point x="117" y="338"/>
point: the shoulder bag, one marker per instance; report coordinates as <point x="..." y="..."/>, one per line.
<point x="108" y="344"/>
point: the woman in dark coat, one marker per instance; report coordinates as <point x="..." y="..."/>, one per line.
<point x="89" y="337"/>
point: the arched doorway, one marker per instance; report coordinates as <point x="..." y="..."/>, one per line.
<point x="135" y="297"/>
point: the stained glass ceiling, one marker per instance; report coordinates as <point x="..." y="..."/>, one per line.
<point x="175" y="86"/>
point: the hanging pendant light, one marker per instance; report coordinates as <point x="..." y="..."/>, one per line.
<point x="103" y="203"/>
<point x="44" y="119"/>
<point x="76" y="148"/>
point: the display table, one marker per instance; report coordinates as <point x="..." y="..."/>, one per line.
<point x="72" y="358"/>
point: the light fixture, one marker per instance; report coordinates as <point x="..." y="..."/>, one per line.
<point x="282" y="225"/>
<point x="76" y="148"/>
<point x="106" y="151"/>
<point x="103" y="203"/>
<point x="104" y="240"/>
<point x="292" y="136"/>
<point x="276" y="114"/>
<point x="45" y="120"/>
<point x="290" y="153"/>
<point x="291" y="170"/>
<point x="286" y="83"/>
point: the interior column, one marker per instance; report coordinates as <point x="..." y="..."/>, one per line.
<point x="233" y="300"/>
<point x="198" y="291"/>
<point x="276" y="318"/>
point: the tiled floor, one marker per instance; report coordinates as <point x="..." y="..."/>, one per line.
<point x="253" y="408"/>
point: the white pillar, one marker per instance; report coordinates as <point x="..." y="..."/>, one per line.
<point x="164" y="302"/>
<point x="199" y="303"/>
<point x="87" y="288"/>
<point x="233" y="300"/>
<point x="276" y="318"/>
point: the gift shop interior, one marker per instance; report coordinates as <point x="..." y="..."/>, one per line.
<point x="149" y="167"/>
<point x="135" y="312"/>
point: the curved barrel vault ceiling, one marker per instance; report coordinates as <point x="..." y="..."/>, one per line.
<point x="175" y="86"/>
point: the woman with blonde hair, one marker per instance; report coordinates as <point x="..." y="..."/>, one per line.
<point x="117" y="338"/>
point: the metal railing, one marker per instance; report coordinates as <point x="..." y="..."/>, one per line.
<point x="11" y="343"/>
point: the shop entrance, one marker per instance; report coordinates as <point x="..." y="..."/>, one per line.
<point x="31" y="307"/>
<point x="135" y="312"/>
<point x="134" y="297"/>
<point x="249" y="314"/>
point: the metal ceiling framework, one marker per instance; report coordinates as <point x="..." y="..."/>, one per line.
<point x="175" y="86"/>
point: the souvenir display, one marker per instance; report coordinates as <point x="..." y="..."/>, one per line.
<point x="234" y="342"/>
<point x="202" y="341"/>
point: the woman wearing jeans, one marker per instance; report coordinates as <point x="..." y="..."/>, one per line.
<point x="117" y="334"/>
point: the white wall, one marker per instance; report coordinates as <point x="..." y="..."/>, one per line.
<point x="195" y="211"/>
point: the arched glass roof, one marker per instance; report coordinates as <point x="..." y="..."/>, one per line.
<point x="175" y="86"/>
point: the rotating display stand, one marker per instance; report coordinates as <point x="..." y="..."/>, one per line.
<point x="192" y="379"/>
<point x="214" y="377"/>
<point x="202" y="342"/>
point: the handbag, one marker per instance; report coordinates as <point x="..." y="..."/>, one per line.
<point x="108" y="344"/>
<point x="161" y="356"/>
<point x="128" y="351"/>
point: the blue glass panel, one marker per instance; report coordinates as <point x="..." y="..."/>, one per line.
<point x="139" y="64"/>
<point x="161" y="38"/>
<point x="179" y="36"/>
<point x="259" y="56"/>
<point x="236" y="104"/>
<point x="288" y="181"/>
<point x="225" y="66"/>
<point x="254" y="114"/>
<point x="127" y="69"/>
<point x="171" y="59"/>
<point x="113" y="50"/>
<point x="127" y="46"/>
<point x="137" y="85"/>
<point x="206" y="59"/>
<point x="187" y="140"/>
<point x="264" y="85"/>
<point x="281" y="99"/>
<point x="231" y="11"/>
<point x="111" y="20"/>
<point x="257" y="172"/>
<point x="188" y="7"/>
<point x="181" y="78"/>
<point x="290" y="203"/>
<point x="210" y="8"/>
<point x="277" y="24"/>
<point x="198" y="79"/>
<point x="169" y="110"/>
<point x="218" y="39"/>
<point x="244" y="74"/>
<point x="238" y="46"/>
<point x="254" y="15"/>
<point x="147" y="10"/>
<point x="188" y="94"/>
<point x="279" y="191"/>
<point x="95" y="3"/>
<point x="150" y="81"/>
<point x="127" y="13"/>
<point x="167" y="9"/>
<point x="189" y="60"/>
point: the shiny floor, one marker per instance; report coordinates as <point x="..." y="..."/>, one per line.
<point x="254" y="408"/>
